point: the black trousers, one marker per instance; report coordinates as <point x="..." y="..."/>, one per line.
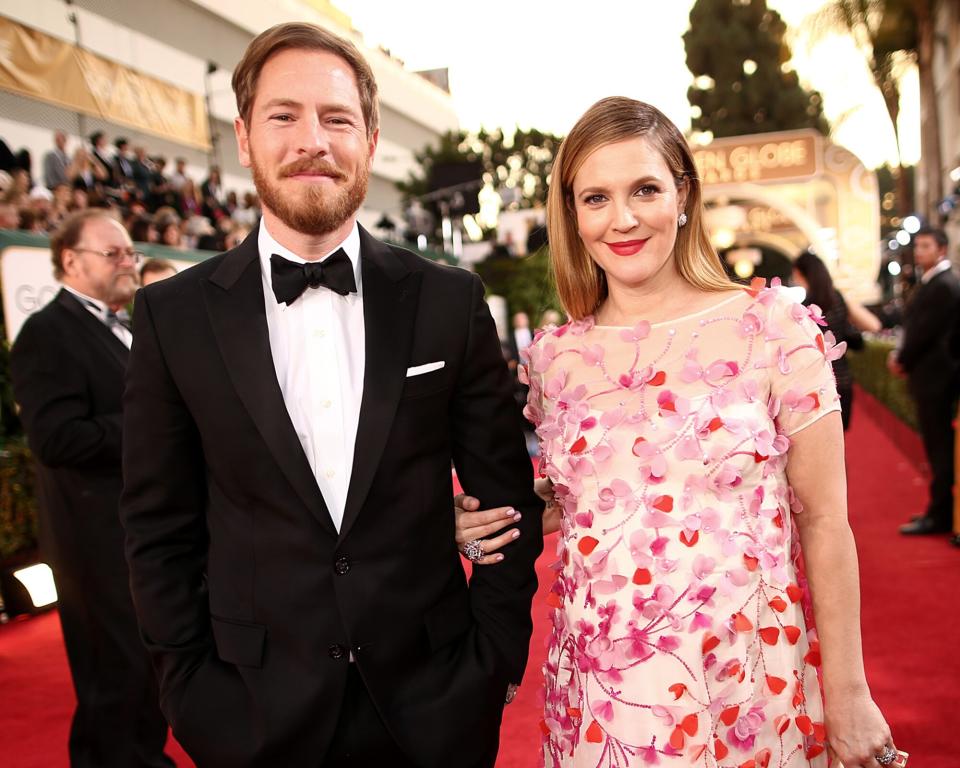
<point x="935" y="414"/>
<point x="117" y="722"/>
<point x="362" y="740"/>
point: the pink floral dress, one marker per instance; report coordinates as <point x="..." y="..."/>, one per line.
<point x="678" y="632"/>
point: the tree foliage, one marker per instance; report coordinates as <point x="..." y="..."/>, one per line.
<point x="738" y="52"/>
<point x="526" y="283"/>
<point x="521" y="162"/>
<point x="886" y="31"/>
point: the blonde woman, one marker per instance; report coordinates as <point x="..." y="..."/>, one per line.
<point x="692" y="445"/>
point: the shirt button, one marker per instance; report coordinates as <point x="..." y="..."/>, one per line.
<point x="319" y="333"/>
<point x="336" y="651"/>
<point x="326" y="403"/>
<point x="342" y="565"/>
<point x="330" y="473"/>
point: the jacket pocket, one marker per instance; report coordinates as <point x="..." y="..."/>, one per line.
<point x="239" y="642"/>
<point x="448" y="619"/>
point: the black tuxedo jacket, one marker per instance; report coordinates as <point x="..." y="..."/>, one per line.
<point x="249" y="599"/>
<point x="928" y="323"/>
<point x="67" y="370"/>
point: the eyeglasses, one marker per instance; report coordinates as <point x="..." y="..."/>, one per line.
<point x="117" y="254"/>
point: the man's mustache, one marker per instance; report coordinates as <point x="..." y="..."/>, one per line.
<point x="312" y="165"/>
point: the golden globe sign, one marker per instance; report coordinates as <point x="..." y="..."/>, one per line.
<point x="727" y="161"/>
<point x="798" y="190"/>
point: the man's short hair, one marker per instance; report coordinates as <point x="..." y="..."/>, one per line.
<point x="936" y="233"/>
<point x="155" y="266"/>
<point x="69" y="234"/>
<point x="299" y="35"/>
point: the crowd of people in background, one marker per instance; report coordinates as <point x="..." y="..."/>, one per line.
<point x="156" y="203"/>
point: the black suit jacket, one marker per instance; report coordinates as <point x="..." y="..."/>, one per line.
<point x="249" y="599"/>
<point x="928" y="322"/>
<point x="67" y="370"/>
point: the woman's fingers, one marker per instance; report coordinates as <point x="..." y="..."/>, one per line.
<point x="490" y="547"/>
<point x="466" y="503"/>
<point x="477" y="525"/>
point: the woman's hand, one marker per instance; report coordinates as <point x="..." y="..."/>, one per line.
<point x="473" y="524"/>
<point x="856" y="730"/>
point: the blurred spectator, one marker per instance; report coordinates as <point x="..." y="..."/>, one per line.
<point x="190" y="203"/>
<point x="142" y="172"/>
<point x="100" y="157"/>
<point x="550" y="317"/>
<point x="9" y="216"/>
<point x="59" y="205"/>
<point x="25" y="163"/>
<point x="18" y="193"/>
<point x="161" y="192"/>
<point x="154" y="270"/>
<point x="56" y="163"/>
<point x="844" y="321"/>
<point x="86" y="173"/>
<point x="202" y="234"/>
<point x="248" y="214"/>
<point x="521" y="337"/>
<point x="211" y="194"/>
<point x="234" y="237"/>
<point x="7" y="159"/>
<point x="31" y="221"/>
<point x="179" y="176"/>
<point x="142" y="230"/>
<point x="231" y="204"/>
<point x="168" y="231"/>
<point x="80" y="200"/>
<point x="924" y="356"/>
<point x="123" y="166"/>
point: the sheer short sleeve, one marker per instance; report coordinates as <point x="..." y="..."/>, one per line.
<point x="799" y="357"/>
<point x="530" y="373"/>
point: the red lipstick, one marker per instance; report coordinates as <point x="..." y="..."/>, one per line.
<point x="627" y="247"/>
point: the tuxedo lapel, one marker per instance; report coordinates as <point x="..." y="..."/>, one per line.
<point x="111" y="344"/>
<point x="390" y="295"/>
<point x="234" y="298"/>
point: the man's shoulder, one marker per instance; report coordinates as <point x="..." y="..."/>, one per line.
<point x="51" y="321"/>
<point x="185" y="284"/>
<point x="432" y="270"/>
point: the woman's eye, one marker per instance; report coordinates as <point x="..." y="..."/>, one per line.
<point x="647" y="190"/>
<point x="594" y="199"/>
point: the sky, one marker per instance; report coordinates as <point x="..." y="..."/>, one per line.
<point x="541" y="64"/>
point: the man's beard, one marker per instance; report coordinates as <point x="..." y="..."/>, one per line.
<point x="121" y="289"/>
<point x="317" y="211"/>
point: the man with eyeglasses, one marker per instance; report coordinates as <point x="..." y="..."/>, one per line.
<point x="67" y="366"/>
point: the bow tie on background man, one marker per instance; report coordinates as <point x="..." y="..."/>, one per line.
<point x="291" y="279"/>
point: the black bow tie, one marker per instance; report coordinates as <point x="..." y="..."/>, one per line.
<point x="291" y="279"/>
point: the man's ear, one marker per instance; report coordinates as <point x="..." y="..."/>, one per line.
<point x="243" y="141"/>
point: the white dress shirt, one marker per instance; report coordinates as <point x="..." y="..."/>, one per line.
<point x="941" y="266"/>
<point x="317" y="343"/>
<point x="100" y="310"/>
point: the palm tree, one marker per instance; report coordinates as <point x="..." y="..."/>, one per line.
<point x="885" y="31"/>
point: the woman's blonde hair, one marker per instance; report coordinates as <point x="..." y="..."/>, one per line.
<point x="581" y="284"/>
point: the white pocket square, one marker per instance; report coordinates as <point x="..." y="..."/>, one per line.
<point x="417" y="370"/>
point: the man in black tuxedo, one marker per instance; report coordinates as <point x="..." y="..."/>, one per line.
<point x="292" y="410"/>
<point x="926" y="359"/>
<point x="67" y="366"/>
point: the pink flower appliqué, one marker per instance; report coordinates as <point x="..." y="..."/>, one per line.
<point x="744" y="732"/>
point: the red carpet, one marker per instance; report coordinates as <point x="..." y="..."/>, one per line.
<point x="910" y="621"/>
